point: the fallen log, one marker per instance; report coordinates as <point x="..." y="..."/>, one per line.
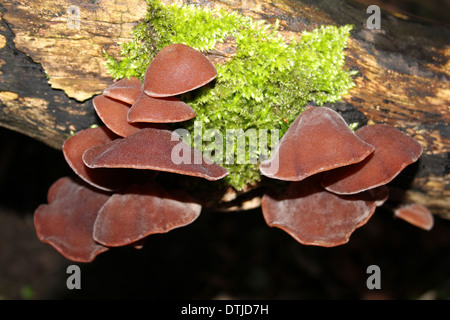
<point x="52" y="65"/>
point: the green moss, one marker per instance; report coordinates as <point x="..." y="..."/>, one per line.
<point x="267" y="83"/>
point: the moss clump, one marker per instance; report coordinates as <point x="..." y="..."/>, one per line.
<point x="267" y="83"/>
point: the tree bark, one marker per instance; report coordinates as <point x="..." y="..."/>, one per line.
<point x="50" y="69"/>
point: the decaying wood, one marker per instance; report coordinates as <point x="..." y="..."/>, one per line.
<point x="50" y="65"/>
<point x="403" y="74"/>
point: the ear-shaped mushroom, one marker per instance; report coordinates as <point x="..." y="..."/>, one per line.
<point x="177" y="69"/>
<point x="417" y="215"/>
<point x="154" y="149"/>
<point x="314" y="216"/>
<point x="318" y="140"/>
<point x="103" y="178"/>
<point x="159" y="110"/>
<point x="67" y="222"/>
<point x="125" y="90"/>
<point x="394" y="150"/>
<point x="73" y="149"/>
<point x="143" y="210"/>
<point x="113" y="113"/>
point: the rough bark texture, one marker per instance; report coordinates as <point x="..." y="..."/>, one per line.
<point x="403" y="74"/>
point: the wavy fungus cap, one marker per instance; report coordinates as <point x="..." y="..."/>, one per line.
<point x="177" y="69"/>
<point x="102" y="178"/>
<point x="142" y="210"/>
<point x="394" y="150"/>
<point x="73" y="149"/>
<point x="67" y="221"/>
<point x="113" y="113"/>
<point x="125" y="90"/>
<point x="318" y="140"/>
<point x="153" y="149"/>
<point x="314" y="216"/>
<point x="159" y="110"/>
<point x="417" y="215"/>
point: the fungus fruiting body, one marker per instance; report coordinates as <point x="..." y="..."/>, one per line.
<point x="142" y="210"/>
<point x="314" y="216"/>
<point x="125" y="90"/>
<point x="159" y="110"/>
<point x="394" y="151"/>
<point x="416" y="214"/>
<point x="104" y="179"/>
<point x="152" y="149"/>
<point x="177" y="69"/>
<point x="114" y="114"/>
<point x="73" y="149"/>
<point x="318" y="140"/>
<point x="67" y="221"/>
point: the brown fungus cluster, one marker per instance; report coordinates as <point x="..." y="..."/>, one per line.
<point x="335" y="178"/>
<point x="117" y="201"/>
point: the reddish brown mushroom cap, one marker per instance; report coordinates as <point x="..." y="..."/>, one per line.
<point x="103" y="178"/>
<point x="318" y="140"/>
<point x="154" y="149"/>
<point x="113" y="113"/>
<point x="73" y="149"/>
<point x="159" y="110"/>
<point x="394" y="150"/>
<point x="177" y="69"/>
<point x="143" y="210"/>
<point x="67" y="222"/>
<point x="417" y="215"/>
<point x="125" y="90"/>
<point x="314" y="216"/>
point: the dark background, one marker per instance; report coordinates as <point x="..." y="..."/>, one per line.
<point x="221" y="255"/>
